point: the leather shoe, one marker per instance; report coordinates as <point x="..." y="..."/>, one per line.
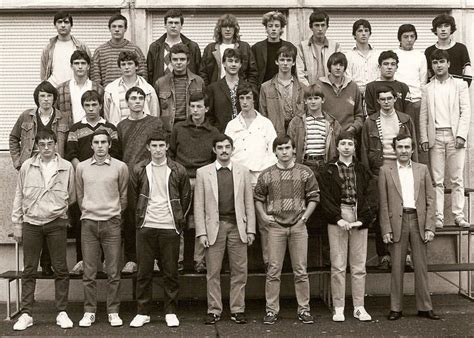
<point x="394" y="315"/>
<point x="429" y="314"/>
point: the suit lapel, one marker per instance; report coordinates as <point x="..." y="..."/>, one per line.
<point x="236" y="175"/>
<point x="416" y="178"/>
<point x="432" y="100"/>
<point x="213" y="178"/>
<point x="225" y="89"/>
<point x="452" y="97"/>
<point x="396" y="178"/>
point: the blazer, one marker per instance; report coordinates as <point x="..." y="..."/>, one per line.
<point x="460" y="110"/>
<point x="391" y="201"/>
<point x="206" y="202"/>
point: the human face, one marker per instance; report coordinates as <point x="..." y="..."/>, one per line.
<point x="246" y="102"/>
<point x="47" y="148"/>
<point x="440" y="67"/>
<point x="284" y="152"/>
<point x="314" y="103"/>
<point x="100" y="145"/>
<point x="386" y="101"/>
<point x="274" y="30"/>
<point x="443" y="31"/>
<point x="403" y="150"/>
<point x="45" y="100"/>
<point x="198" y="111"/>
<point x="227" y="33"/>
<point x="337" y="70"/>
<point x="63" y="26"/>
<point x="362" y="35"/>
<point x="284" y="63"/>
<point x="319" y="29"/>
<point x="136" y="102"/>
<point x="117" y="30"/>
<point x="346" y="148"/>
<point x="407" y="40"/>
<point x="179" y="62"/>
<point x="232" y="65"/>
<point x="80" y="68"/>
<point x="128" y="68"/>
<point x="173" y="26"/>
<point x="388" y="68"/>
<point x="223" y="151"/>
<point x="157" y="150"/>
<point x="92" y="109"/>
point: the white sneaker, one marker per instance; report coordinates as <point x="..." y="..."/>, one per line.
<point x="87" y="319"/>
<point x="63" y="320"/>
<point x="338" y="315"/>
<point x="130" y="267"/>
<point x="78" y="269"/>
<point x="361" y="314"/>
<point x="115" y="320"/>
<point x="139" y="321"/>
<point x="23" y="322"/>
<point x="171" y="320"/>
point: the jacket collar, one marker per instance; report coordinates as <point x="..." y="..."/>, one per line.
<point x="184" y="39"/>
<point x="345" y="82"/>
<point x="169" y="162"/>
<point x="62" y="164"/>
<point x="311" y="41"/>
<point x="189" y="123"/>
<point x="403" y="118"/>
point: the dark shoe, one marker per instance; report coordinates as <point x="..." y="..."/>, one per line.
<point x="212" y="318"/>
<point x="305" y="317"/>
<point x="239" y="318"/>
<point x="429" y="314"/>
<point x="47" y="271"/>
<point x="394" y="315"/>
<point x="270" y="318"/>
<point x="384" y="263"/>
<point x="200" y="267"/>
<point x="180" y="268"/>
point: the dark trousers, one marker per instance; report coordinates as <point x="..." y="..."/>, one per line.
<point x="163" y="244"/>
<point x="129" y="236"/>
<point x="75" y="216"/>
<point x="55" y="233"/>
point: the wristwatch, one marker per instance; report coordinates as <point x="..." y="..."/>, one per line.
<point x="304" y="219"/>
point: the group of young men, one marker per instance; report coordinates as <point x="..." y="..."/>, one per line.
<point x="147" y="148"/>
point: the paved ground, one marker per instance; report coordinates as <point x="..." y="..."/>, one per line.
<point x="457" y="314"/>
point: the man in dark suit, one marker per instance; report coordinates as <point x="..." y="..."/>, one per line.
<point x="407" y="216"/>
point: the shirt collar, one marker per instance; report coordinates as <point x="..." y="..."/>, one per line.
<point x="218" y="165"/>
<point x="340" y="163"/>
<point x="84" y="121"/>
<point x="153" y="164"/>
<point x="325" y="42"/>
<point x="400" y="166"/>
<point x="54" y="160"/>
<point x="136" y="84"/>
<point x="106" y="161"/>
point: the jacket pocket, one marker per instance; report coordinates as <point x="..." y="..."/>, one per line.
<point x="164" y="98"/>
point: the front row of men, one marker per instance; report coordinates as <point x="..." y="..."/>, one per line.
<point x="159" y="191"/>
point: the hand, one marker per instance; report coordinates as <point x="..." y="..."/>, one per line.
<point x="268" y="219"/>
<point x="459" y="142"/>
<point x="388" y="238"/>
<point x="344" y="224"/>
<point x="424" y="146"/>
<point x="356" y="224"/>
<point x="204" y="241"/>
<point x="250" y="239"/>
<point x="429" y="236"/>
<point x="18" y="234"/>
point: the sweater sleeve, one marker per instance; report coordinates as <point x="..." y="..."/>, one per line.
<point x="123" y="185"/>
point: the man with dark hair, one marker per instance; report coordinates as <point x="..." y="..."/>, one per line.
<point x="45" y="189"/>
<point x="314" y="52"/>
<point x="286" y="195"/>
<point x="443" y="26"/>
<point x="281" y="98"/>
<point x="161" y="195"/>
<point x="104" y="68"/>
<point x="158" y="58"/>
<point x="266" y="51"/>
<point x="175" y="88"/>
<point x="55" y="66"/>
<point x="388" y="64"/>
<point x="70" y="92"/>
<point x="115" y="103"/>
<point x="445" y="117"/>
<point x="101" y="183"/>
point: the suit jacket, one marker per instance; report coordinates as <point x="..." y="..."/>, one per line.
<point x="206" y="210"/>
<point x="460" y="110"/>
<point x="391" y="201"/>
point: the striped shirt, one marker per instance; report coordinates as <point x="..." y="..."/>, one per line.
<point x="361" y="68"/>
<point x="315" y="138"/>
<point x="388" y="126"/>
<point x="181" y="91"/>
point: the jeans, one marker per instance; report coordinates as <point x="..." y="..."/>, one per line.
<point x="296" y="238"/>
<point x="55" y="233"/>
<point x="105" y="234"/>
<point x="444" y="152"/>
<point x="164" y="244"/>
<point x="129" y="234"/>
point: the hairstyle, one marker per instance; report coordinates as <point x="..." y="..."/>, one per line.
<point x="388" y="54"/>
<point x="116" y="17"/>
<point x="226" y="20"/>
<point x="180" y="48"/>
<point x="174" y="13"/>
<point x="313" y="90"/>
<point x="127" y="55"/>
<point x="232" y="53"/>
<point x="337" y="58"/>
<point x="222" y="138"/>
<point x="441" y="19"/>
<point x="385" y="89"/>
<point x="282" y="140"/>
<point x="101" y="132"/>
<point x="361" y="22"/>
<point x="91" y="95"/>
<point x="158" y="136"/>
<point x="439" y="54"/>
<point x="80" y="55"/>
<point x="45" y="134"/>
<point x="403" y="136"/>
<point x="406" y="28"/>
<point x="198" y="96"/>
<point x="274" y="16"/>
<point x="245" y="88"/>
<point x="287" y="51"/>
<point x="134" y="89"/>
<point x="318" y="16"/>
<point x="62" y="15"/>
<point x="46" y="87"/>
<point x="346" y="135"/>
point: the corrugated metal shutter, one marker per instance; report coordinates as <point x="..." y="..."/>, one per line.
<point x="22" y="38"/>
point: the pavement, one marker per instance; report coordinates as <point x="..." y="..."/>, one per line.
<point x="457" y="319"/>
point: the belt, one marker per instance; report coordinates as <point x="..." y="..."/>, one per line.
<point x="409" y="211"/>
<point x="313" y="157"/>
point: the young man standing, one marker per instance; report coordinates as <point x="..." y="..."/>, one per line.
<point x="281" y="98"/>
<point x="286" y="195"/>
<point x="104" y="62"/>
<point x="101" y="183"/>
<point x="225" y="218"/>
<point x="55" y="56"/>
<point x="161" y="195"/>
<point x="174" y="88"/>
<point x="314" y="52"/>
<point x="45" y="189"/>
<point x="265" y="52"/>
<point x="445" y="117"/>
<point x="158" y="59"/>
